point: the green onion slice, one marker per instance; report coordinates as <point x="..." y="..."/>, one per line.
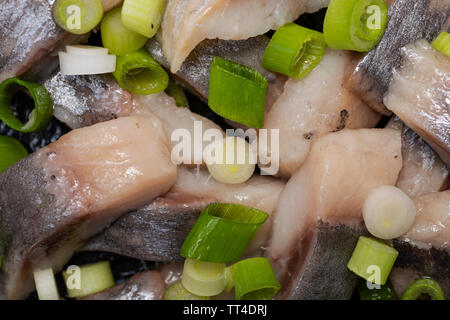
<point x="229" y="282"/>
<point x="421" y="287"/>
<point x="294" y="51"/>
<point x="139" y="73"/>
<point x="372" y="260"/>
<point x="356" y="25"/>
<point x="45" y="283"/>
<point x="254" y="279"/>
<point x="41" y="115"/>
<point x="177" y="93"/>
<point x="176" y="291"/>
<point x="143" y="16"/>
<point x="118" y="39"/>
<point x="222" y="233"/>
<point x="11" y="151"/>
<point x="88" y="279"/>
<point x="203" y="278"/>
<point x="78" y="16"/>
<point x="385" y="292"/>
<point x="442" y="43"/>
<point x="237" y="92"/>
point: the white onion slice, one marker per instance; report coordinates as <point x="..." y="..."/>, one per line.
<point x="71" y="64"/>
<point x="46" y="284"/>
<point x="82" y="50"/>
<point x="388" y="212"/>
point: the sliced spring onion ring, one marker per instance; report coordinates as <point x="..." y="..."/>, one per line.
<point x="139" y="73"/>
<point x="385" y="292"/>
<point x="143" y="16"/>
<point x="442" y="43"/>
<point x="203" y="278"/>
<point x="254" y="279"/>
<point x="372" y="260"/>
<point x="83" y="50"/>
<point x="424" y="286"/>
<point x="294" y="51"/>
<point x="93" y="278"/>
<point x="83" y="60"/>
<point x="176" y="291"/>
<point x="356" y="25"/>
<point x="234" y="160"/>
<point x="78" y="16"/>
<point x="177" y="93"/>
<point x="46" y="284"/>
<point x="388" y="212"/>
<point x="43" y="105"/>
<point x="229" y="281"/>
<point x="11" y="151"/>
<point x="222" y="233"/>
<point x="118" y="39"/>
<point x="237" y="92"/>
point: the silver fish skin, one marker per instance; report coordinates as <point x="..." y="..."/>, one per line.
<point x="148" y="285"/>
<point x="54" y="200"/>
<point x="409" y="20"/>
<point x="419" y="94"/>
<point x="155" y="232"/>
<point x="81" y="101"/>
<point x="194" y="72"/>
<point x="29" y="33"/>
<point x="423" y="171"/>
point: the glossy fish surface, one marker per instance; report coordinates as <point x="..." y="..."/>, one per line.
<point x="409" y="20"/>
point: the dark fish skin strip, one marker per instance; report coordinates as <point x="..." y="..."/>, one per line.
<point x="81" y="101"/>
<point x="147" y="285"/>
<point x="433" y="262"/>
<point x="319" y="270"/>
<point x="409" y="20"/>
<point x="194" y="73"/>
<point x="154" y="233"/>
<point x="31" y="235"/>
<point x="29" y="33"/>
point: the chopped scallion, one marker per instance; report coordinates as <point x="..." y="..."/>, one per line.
<point x="372" y="260"/>
<point x="294" y="51"/>
<point x="176" y="291"/>
<point x="41" y="115"/>
<point x="356" y="25"/>
<point x="139" y="73"/>
<point x="143" y="16"/>
<point x="118" y="39"/>
<point x="222" y="233"/>
<point x="177" y="93"/>
<point x="254" y="279"/>
<point x="11" y="151"/>
<point x="423" y="287"/>
<point x="88" y="279"/>
<point x="442" y="43"/>
<point x="237" y="92"/>
<point x="45" y="283"/>
<point x="203" y="278"/>
<point x="78" y="16"/>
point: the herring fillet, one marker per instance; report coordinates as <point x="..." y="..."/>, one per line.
<point x="424" y="250"/>
<point x="312" y="107"/>
<point x="28" y="33"/>
<point x="54" y="200"/>
<point x="324" y="200"/>
<point x="147" y="285"/>
<point x="409" y="20"/>
<point x="157" y="231"/>
<point x="419" y="94"/>
<point x="194" y="72"/>
<point x="423" y="171"/>
<point x="187" y="22"/>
